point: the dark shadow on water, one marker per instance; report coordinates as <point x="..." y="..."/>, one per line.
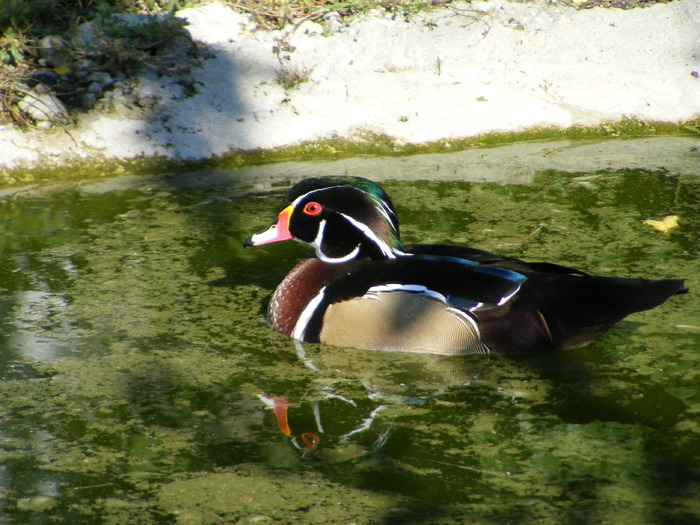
<point x="669" y="468"/>
<point x="187" y="129"/>
<point x="161" y="396"/>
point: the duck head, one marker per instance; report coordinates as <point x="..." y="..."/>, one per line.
<point x="343" y="218"/>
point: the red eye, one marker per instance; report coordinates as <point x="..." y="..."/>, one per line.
<point x="312" y="208"/>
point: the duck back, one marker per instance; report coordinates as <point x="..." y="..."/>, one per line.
<point x="557" y="307"/>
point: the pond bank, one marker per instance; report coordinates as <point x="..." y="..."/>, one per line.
<point x="517" y="163"/>
<point x="438" y="76"/>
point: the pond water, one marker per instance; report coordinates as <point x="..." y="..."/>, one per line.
<point x="140" y="383"/>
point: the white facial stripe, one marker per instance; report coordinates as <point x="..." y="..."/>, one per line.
<point x="387" y="212"/>
<point x="300" y="197"/>
<point x="383" y="247"/>
<point x="300" y="328"/>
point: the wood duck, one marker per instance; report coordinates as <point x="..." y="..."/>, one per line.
<point x="364" y="289"/>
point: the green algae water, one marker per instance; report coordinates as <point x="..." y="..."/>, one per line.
<point x="140" y="383"/>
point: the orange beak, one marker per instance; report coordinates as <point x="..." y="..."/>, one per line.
<point x="279" y="231"/>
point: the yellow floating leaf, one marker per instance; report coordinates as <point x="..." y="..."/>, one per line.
<point x="665" y="225"/>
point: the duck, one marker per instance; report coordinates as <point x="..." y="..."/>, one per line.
<point x="364" y="289"/>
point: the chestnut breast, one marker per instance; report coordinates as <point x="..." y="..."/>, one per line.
<point x="300" y="285"/>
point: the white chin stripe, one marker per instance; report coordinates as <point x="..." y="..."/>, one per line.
<point x="345" y="258"/>
<point x="300" y="328"/>
<point x="319" y="236"/>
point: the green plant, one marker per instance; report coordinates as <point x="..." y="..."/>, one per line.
<point x="149" y="34"/>
<point x="125" y="44"/>
<point x="11" y="45"/>
<point x="13" y="72"/>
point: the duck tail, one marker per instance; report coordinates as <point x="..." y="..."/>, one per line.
<point x="580" y="320"/>
<point x="562" y="311"/>
<point x="653" y="293"/>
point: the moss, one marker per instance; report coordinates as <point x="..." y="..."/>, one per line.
<point x="147" y="411"/>
<point x="333" y="148"/>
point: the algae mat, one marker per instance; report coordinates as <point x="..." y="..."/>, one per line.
<point x="140" y="383"/>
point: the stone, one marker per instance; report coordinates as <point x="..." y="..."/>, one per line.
<point x="310" y="28"/>
<point x="53" y="50"/>
<point x="42" y="107"/>
<point x="88" y="100"/>
<point x="102" y="78"/>
<point x="136" y="20"/>
<point x="332" y="22"/>
<point x="214" y="23"/>
<point x="95" y="88"/>
<point x="85" y="64"/>
<point x="44" y="76"/>
<point x="86" y="35"/>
